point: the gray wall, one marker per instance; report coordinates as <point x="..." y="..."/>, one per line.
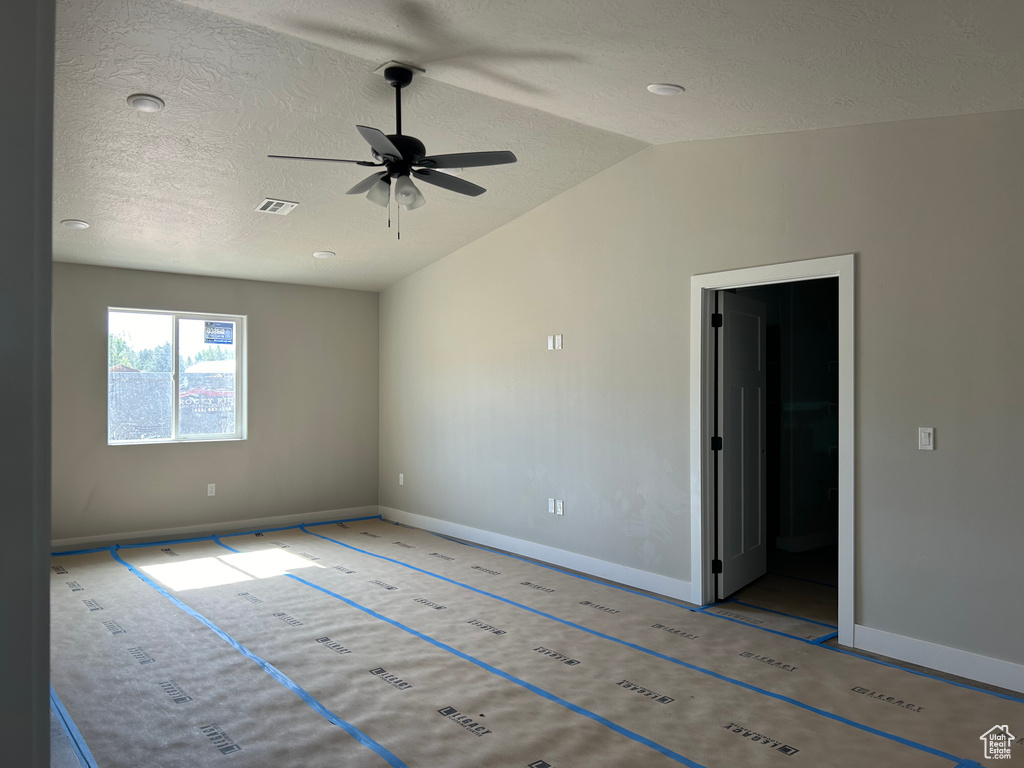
<point x="486" y="424"/>
<point x="312" y="403"/>
<point x="26" y="130"/>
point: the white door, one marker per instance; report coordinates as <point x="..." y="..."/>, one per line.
<point x="742" y="535"/>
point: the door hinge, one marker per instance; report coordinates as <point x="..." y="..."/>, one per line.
<point x="716" y="320"/>
<point x="716" y="566"/>
<point x="716" y="443"/>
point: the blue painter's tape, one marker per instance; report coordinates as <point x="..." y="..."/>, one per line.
<point x="512" y="678"/>
<point x="642" y="649"/>
<point x="1005" y="696"/>
<point x="707" y="612"/>
<point x="78" y="744"/>
<point x="296" y="527"/>
<point x="484" y="665"/>
<point x="81" y="552"/>
<point x="817" y="641"/>
<point x="780" y="613"/>
<point x="595" y="581"/>
<point x="270" y="669"/>
<point x="170" y="542"/>
<point x="612" y="586"/>
<point x="167" y="543"/>
<point x="703" y="609"/>
<point x="541" y="613"/>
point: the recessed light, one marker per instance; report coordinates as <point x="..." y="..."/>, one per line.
<point x="145" y="102"/>
<point x="323" y="254"/>
<point x="665" y="89"/>
<point x="75" y="224"/>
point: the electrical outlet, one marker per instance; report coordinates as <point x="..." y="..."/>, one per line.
<point x="559" y="507"/>
<point x="401" y="479"/>
<point x="558" y="341"/>
<point x="211" y="489"/>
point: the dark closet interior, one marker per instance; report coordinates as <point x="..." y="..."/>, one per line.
<point x="802" y="427"/>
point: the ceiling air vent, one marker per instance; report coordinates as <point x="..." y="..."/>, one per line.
<point x="280" y="207"/>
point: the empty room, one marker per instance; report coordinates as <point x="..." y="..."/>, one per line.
<point x="413" y="383"/>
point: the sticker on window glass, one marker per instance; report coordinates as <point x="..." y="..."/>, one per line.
<point x="219" y="333"/>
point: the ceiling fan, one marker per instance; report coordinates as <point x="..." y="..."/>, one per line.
<point x="402" y="157"/>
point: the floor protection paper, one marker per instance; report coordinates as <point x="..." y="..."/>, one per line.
<point x="818" y="602"/>
<point x="148" y="685"/>
<point x="435" y="653"/>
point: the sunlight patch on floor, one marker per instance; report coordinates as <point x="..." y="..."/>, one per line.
<point x="226" y="569"/>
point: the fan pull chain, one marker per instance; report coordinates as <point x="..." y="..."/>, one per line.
<point x="398" y="218"/>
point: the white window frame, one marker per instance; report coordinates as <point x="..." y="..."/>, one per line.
<point x="241" y="379"/>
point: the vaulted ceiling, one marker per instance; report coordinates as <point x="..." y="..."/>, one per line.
<point x="561" y="83"/>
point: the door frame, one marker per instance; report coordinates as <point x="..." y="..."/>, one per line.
<point x="702" y="520"/>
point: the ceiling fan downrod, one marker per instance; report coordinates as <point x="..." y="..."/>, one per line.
<point x="398" y="78"/>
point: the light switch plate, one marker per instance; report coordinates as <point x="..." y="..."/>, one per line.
<point x="551" y="342"/>
<point x="926" y="438"/>
<point x="551" y="506"/>
<point x="558" y="341"/>
<point x="559" y="507"/>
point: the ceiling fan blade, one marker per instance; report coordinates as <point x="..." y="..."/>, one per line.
<point x="365" y="184"/>
<point x="451" y="183"/>
<point x="326" y="160"/>
<point x="381" y="144"/>
<point x="467" y="160"/>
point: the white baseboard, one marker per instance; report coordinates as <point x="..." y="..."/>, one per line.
<point x="223" y="527"/>
<point x="634" y="577"/>
<point x="1005" y="674"/>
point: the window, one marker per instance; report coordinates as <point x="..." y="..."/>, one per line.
<point x="174" y="377"/>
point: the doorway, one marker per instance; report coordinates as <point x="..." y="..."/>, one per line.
<point x="800" y="448"/>
<point x="809" y="533"/>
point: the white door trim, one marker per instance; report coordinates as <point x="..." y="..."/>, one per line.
<point x="701" y="417"/>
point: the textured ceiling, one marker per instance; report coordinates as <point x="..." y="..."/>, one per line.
<point x="561" y="84"/>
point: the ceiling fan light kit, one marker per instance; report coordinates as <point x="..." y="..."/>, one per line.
<point x="406" y="193"/>
<point x="380" y="191"/>
<point x="403" y="157"/>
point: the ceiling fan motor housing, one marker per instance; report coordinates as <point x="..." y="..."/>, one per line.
<point x="399" y="77"/>
<point x="412" y="150"/>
